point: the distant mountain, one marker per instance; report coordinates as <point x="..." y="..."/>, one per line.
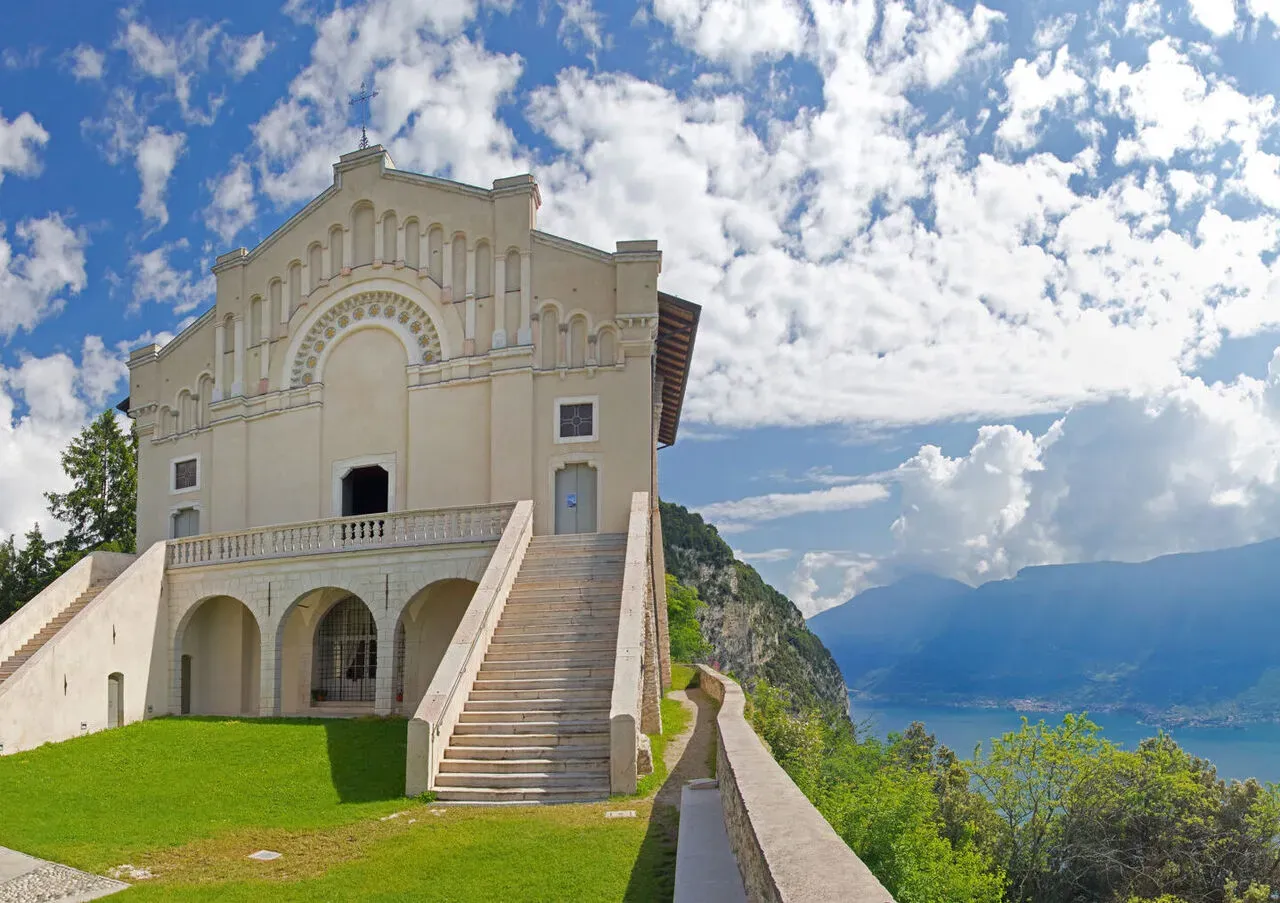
<point x="755" y="630"/>
<point x="1182" y="638"/>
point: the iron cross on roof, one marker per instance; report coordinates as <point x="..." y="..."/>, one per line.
<point x="361" y="103"/>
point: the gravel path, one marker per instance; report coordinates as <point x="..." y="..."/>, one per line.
<point x="691" y="749"/>
<point x="25" y="879"/>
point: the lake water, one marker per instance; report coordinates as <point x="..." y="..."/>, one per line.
<point x="1238" y="752"/>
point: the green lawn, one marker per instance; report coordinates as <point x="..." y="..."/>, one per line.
<point x="190" y="798"/>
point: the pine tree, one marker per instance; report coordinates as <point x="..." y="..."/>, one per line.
<point x="33" y="569"/>
<point x="101" y="506"/>
<point x="8" y="578"/>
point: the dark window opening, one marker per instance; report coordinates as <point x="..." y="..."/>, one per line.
<point x="364" y="491"/>
<point x="184" y="474"/>
<point x="576" y="420"/>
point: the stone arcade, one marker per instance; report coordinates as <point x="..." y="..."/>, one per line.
<point x="407" y="464"/>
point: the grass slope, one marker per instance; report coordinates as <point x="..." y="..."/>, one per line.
<point x="190" y="798"/>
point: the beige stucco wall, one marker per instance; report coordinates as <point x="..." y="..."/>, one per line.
<point x="61" y="692"/>
<point x="293" y="369"/>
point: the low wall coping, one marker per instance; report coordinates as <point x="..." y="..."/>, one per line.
<point x="786" y="851"/>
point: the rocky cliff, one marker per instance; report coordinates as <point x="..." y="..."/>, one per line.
<point x="755" y="630"/>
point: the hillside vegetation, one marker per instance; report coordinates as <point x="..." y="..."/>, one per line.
<point x="753" y="630"/>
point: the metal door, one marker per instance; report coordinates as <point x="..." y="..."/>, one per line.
<point x="576" y="499"/>
<point x="115" y="700"/>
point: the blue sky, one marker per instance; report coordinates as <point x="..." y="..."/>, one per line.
<point x="984" y="286"/>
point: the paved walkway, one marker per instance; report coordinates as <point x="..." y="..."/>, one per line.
<point x="706" y="870"/>
<point x="25" y="879"/>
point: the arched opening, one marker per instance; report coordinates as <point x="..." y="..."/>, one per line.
<point x="255" y="320"/>
<point x="511" y="301"/>
<point x="549" y="337"/>
<point x="295" y="291"/>
<point x="412" y="244"/>
<point x="315" y="266"/>
<point x="484" y="270"/>
<point x="365" y="491"/>
<point x="390" y="236"/>
<point x="606" y="348"/>
<point x="578" y="342"/>
<point x="362" y="226"/>
<point x="435" y="247"/>
<point x="115" y="700"/>
<point x="275" y="295"/>
<point x="345" y="655"/>
<point x="327" y="653"/>
<point x="459" y="251"/>
<point x="220" y="655"/>
<point x="424" y="631"/>
<point x="336" y="239"/>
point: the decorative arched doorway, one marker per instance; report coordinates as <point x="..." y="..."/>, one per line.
<point x="345" y="654"/>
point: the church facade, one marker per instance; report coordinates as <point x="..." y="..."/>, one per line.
<point x="413" y="442"/>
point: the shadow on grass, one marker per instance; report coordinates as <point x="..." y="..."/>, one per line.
<point x="366" y="757"/>
<point x="653" y="877"/>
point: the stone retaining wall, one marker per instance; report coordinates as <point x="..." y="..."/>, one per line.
<point x="786" y="850"/>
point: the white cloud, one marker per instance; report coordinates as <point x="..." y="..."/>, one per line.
<point x="1218" y="16"/>
<point x="156" y="279"/>
<point x="20" y="140"/>
<point x="157" y="154"/>
<point x="853" y="574"/>
<point x="233" y="206"/>
<point x="177" y="60"/>
<point x="737" y="32"/>
<point x="1142" y="17"/>
<point x="580" y="21"/>
<point x="246" y="53"/>
<point x="120" y="128"/>
<point x="1189" y="187"/>
<point x="33" y="282"/>
<point x="1034" y="89"/>
<point x="767" y="555"/>
<point x="1053" y="32"/>
<point x="760" y="508"/>
<point x="44" y="402"/>
<point x="1264" y="9"/>
<point x="87" y="63"/>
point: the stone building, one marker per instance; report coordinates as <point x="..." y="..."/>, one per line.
<point x="406" y="464"/>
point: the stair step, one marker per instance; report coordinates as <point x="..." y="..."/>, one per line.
<point x="554" y="684"/>
<point x="517" y="651"/>
<point x="599" y="701"/>
<point x="572" y="752"/>
<point x="549" y="667"/>
<point x="511" y="618"/>
<point x="525" y="766"/>
<point x="522" y="795"/>
<point x="550" y="635"/>
<point x="530" y="739"/>
<point x="569" y="780"/>
<point x="569" y="693"/>
<point x="596" y="715"/>
<point x="558" y="727"/>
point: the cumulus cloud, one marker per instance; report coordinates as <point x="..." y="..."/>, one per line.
<point x="21" y="138"/>
<point x="581" y="23"/>
<point x="1034" y="89"/>
<point x="35" y="278"/>
<point x="119" y="129"/>
<point x="44" y="402"/>
<point x="737" y="32"/>
<point x="232" y="207"/>
<point x="156" y="156"/>
<point x="157" y="280"/>
<point x="87" y="63"/>
<point x="853" y="575"/>
<point x="1218" y="16"/>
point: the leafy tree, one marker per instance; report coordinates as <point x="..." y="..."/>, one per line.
<point x="683" y="627"/>
<point x="8" y="579"/>
<point x="101" y="506"/>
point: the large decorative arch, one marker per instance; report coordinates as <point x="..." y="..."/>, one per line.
<point x="384" y="308"/>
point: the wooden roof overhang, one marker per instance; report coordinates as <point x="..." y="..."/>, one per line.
<point x="677" y="328"/>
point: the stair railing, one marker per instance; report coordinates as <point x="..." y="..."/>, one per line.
<point x="628" y="684"/>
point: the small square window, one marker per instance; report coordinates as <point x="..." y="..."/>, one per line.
<point x="577" y="421"/>
<point x="186" y="474"/>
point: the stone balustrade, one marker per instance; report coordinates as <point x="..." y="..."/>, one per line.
<point x="394" y="529"/>
<point x="626" y="701"/>
<point x="786" y="850"/>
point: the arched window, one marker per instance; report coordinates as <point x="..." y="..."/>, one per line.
<point x="459" y="266"/>
<point x="435" y="245"/>
<point x="204" y="396"/>
<point x="295" y="290"/>
<point x="362" y="226"/>
<point x="549" y="336"/>
<point x="275" y="296"/>
<point x="484" y="270"/>
<point x="335" y="251"/>
<point x="606" y="348"/>
<point x="578" y="342"/>
<point x="315" y="263"/>
<point x="412" y="250"/>
<point x="255" y="320"/>
<point x="346" y="654"/>
<point x="390" y="233"/>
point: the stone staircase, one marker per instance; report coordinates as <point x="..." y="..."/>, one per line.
<point x="535" y="727"/>
<point x="34" y="645"/>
